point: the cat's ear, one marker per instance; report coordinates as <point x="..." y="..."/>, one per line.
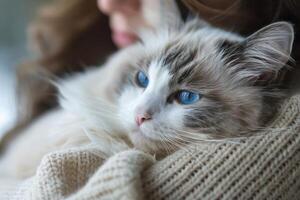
<point x="263" y="54"/>
<point x="170" y="17"/>
<point x="162" y="16"/>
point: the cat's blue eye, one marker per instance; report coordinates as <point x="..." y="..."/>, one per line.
<point x="187" y="97"/>
<point x="142" y="79"/>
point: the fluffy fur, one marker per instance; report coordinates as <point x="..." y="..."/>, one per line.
<point x="237" y="78"/>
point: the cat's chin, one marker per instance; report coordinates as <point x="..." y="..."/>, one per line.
<point x="139" y="139"/>
<point x="138" y="135"/>
<point x="142" y="142"/>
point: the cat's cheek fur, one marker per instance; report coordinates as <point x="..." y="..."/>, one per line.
<point x="164" y="124"/>
<point x="174" y="118"/>
<point x="127" y="104"/>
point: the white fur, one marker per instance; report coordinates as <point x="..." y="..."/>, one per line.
<point x="136" y="100"/>
<point x="93" y="112"/>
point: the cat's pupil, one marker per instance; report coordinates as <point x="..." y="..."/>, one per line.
<point x="142" y="80"/>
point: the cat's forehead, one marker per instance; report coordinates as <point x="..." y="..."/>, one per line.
<point x="189" y="57"/>
<point x="185" y="63"/>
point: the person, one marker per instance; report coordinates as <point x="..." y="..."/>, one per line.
<point x="124" y="16"/>
<point x="69" y="36"/>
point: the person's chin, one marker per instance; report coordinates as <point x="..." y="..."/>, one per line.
<point x="123" y="39"/>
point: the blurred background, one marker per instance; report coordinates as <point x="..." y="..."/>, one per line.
<point x="14" y="18"/>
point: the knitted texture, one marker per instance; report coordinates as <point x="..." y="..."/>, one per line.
<point x="266" y="166"/>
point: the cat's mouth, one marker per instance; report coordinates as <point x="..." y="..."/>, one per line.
<point x="143" y="142"/>
<point x="138" y="138"/>
<point x="138" y="133"/>
<point x="143" y="130"/>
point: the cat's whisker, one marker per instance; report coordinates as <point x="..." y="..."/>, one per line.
<point x="105" y="114"/>
<point x="196" y="137"/>
<point x="169" y="142"/>
<point x="166" y="144"/>
<point x="177" y="141"/>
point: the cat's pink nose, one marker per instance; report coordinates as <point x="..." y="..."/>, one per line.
<point x="141" y="118"/>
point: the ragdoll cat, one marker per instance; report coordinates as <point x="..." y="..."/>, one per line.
<point x="186" y="83"/>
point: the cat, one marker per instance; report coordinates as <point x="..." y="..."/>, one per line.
<point x="185" y="83"/>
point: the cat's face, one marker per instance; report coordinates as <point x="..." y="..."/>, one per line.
<point x="202" y="84"/>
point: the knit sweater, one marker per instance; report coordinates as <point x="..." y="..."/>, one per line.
<point x="265" y="166"/>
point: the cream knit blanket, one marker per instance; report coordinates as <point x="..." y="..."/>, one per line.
<point x="261" y="167"/>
